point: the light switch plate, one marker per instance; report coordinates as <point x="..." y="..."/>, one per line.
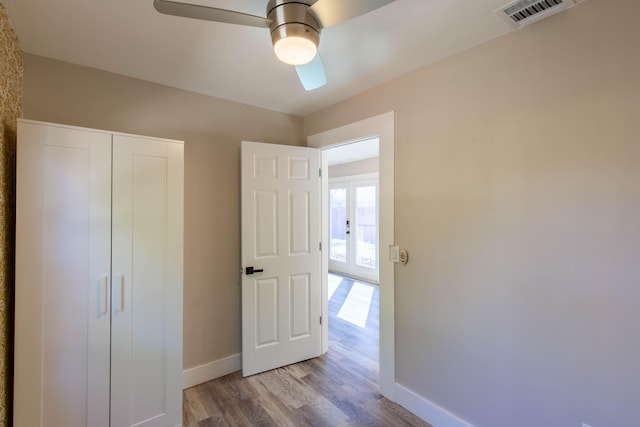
<point x="394" y="253"/>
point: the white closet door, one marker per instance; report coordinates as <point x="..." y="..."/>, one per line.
<point x="147" y="282"/>
<point x="62" y="276"/>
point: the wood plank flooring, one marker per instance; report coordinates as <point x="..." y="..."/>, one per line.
<point x="339" y="388"/>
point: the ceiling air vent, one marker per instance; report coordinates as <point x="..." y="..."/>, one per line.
<point x="524" y="12"/>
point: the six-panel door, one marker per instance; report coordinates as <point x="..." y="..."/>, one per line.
<point x="281" y="304"/>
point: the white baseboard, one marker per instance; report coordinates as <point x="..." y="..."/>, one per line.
<point x="210" y="371"/>
<point x="427" y="410"/>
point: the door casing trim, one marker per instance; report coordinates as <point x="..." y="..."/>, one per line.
<point x="382" y="126"/>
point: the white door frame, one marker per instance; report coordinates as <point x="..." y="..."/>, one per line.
<point x="382" y="126"/>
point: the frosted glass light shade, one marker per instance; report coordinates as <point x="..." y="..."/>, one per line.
<point x="294" y="50"/>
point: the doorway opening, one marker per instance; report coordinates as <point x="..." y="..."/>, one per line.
<point x="353" y="209"/>
<point x="353" y="293"/>
<point x="382" y="127"/>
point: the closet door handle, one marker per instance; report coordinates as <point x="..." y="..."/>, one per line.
<point x="118" y="293"/>
<point x="103" y="294"/>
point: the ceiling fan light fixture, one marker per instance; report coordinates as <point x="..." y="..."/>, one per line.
<point x="295" y="33"/>
<point x="295" y="50"/>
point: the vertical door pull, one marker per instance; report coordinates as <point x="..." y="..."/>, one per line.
<point x="103" y="294"/>
<point x="118" y="293"/>
<point x="121" y="301"/>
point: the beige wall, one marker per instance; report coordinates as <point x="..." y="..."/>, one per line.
<point x="518" y="198"/>
<point x="212" y="130"/>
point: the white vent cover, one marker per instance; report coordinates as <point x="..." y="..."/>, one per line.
<point x="524" y="12"/>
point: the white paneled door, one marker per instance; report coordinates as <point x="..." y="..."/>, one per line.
<point x="62" y="262"/>
<point x="281" y="286"/>
<point x="98" y="279"/>
<point x="146" y="322"/>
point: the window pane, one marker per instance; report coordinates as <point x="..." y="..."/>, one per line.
<point x="338" y="224"/>
<point x="366" y="226"/>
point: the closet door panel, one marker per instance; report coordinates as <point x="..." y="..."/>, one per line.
<point x="62" y="273"/>
<point x="144" y="345"/>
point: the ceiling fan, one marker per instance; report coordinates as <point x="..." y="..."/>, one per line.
<point x="295" y="27"/>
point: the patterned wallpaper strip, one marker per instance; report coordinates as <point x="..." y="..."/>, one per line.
<point x="11" y="69"/>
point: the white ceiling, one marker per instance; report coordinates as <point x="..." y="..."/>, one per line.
<point x="352" y="152"/>
<point x="237" y="63"/>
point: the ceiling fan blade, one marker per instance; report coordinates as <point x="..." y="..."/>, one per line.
<point x="195" y="11"/>
<point x="332" y="12"/>
<point x="312" y="75"/>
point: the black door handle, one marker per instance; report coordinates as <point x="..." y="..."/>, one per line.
<point x="251" y="270"/>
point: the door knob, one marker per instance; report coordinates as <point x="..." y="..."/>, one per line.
<point x="250" y="270"/>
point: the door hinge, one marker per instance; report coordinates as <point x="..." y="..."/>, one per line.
<point x="320" y="172"/>
<point x="320" y="246"/>
<point x="321" y="320"/>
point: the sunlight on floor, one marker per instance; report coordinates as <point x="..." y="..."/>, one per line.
<point x="334" y="282"/>
<point x="355" y="308"/>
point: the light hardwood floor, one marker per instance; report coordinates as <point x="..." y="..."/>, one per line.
<point x="339" y="388"/>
